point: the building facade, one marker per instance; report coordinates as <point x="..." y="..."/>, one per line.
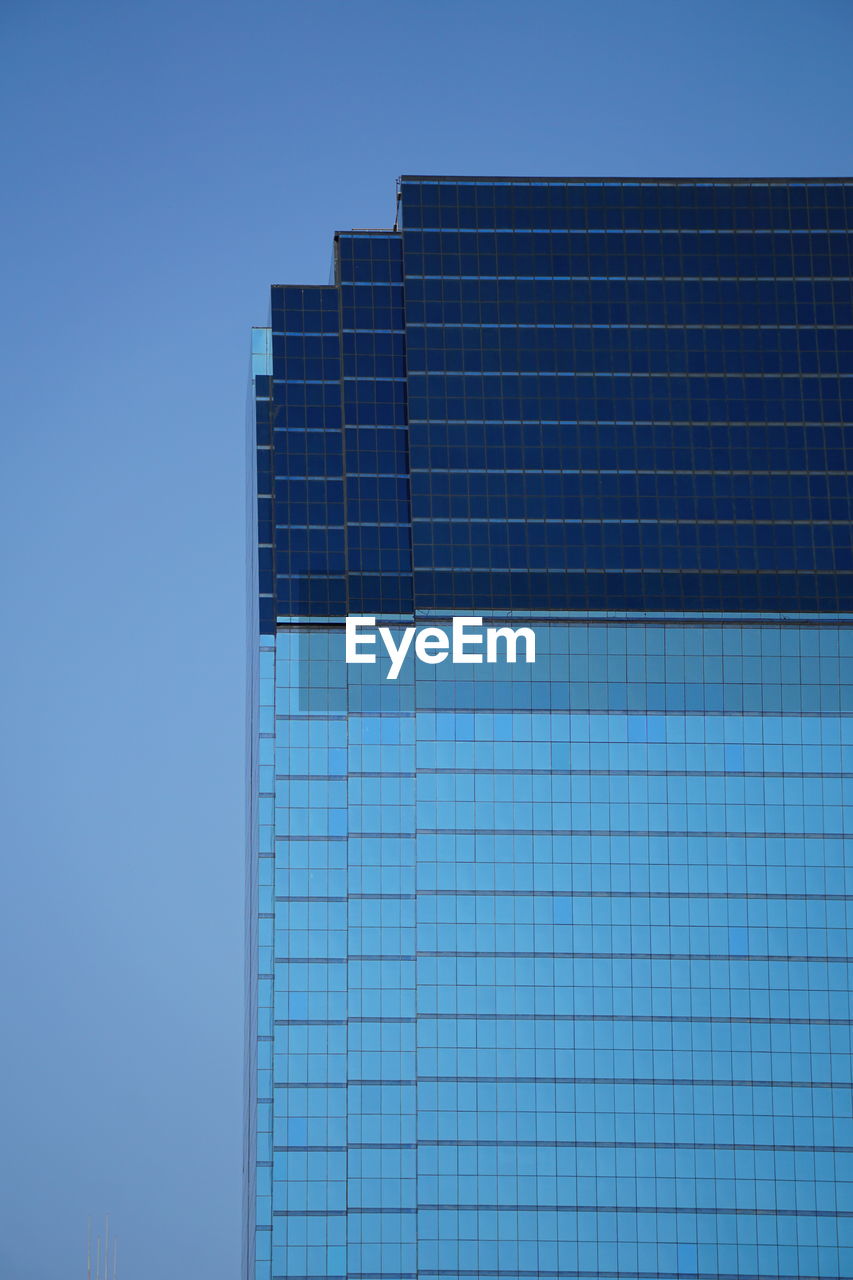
<point x="549" y="960"/>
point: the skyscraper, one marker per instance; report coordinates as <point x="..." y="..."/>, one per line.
<point x="549" y="959"/>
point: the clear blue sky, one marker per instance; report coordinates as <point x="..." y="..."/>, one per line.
<point x="164" y="163"/>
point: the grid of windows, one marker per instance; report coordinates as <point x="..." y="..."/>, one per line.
<point x="550" y="963"/>
<point x="568" y="395"/>
<point x="379" y="557"/>
<point x="629" y="395"/>
<point x="300" y="451"/>
<point x="555" y="959"/>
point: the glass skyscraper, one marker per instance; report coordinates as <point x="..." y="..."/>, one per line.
<point x="549" y="960"/>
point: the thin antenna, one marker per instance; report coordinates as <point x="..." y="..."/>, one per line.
<point x="107" y="1247"/>
<point x="89" y="1250"/>
<point x="98" y="1264"/>
<point x="115" y="1258"/>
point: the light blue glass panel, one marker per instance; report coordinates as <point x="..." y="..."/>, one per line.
<point x="559" y="959"/>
